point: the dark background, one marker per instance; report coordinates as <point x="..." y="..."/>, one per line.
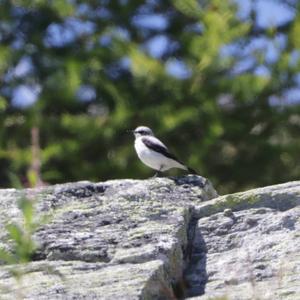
<point x="217" y="81"/>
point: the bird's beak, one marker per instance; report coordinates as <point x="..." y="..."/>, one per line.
<point x="129" y="131"/>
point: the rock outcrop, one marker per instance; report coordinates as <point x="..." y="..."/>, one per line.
<point x="247" y="245"/>
<point x="162" y="238"/>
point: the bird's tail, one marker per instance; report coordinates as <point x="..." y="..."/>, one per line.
<point x="184" y="167"/>
<point x="192" y="171"/>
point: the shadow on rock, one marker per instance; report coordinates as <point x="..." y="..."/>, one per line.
<point x="195" y="275"/>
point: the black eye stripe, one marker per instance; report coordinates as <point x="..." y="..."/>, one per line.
<point x="142" y="131"/>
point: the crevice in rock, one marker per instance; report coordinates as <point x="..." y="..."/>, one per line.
<point x="38" y="256"/>
<point x="84" y="191"/>
<point x="195" y="274"/>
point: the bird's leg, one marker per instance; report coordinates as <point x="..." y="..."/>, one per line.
<point x="159" y="172"/>
<point x="155" y="175"/>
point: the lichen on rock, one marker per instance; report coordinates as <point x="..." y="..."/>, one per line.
<point x="162" y="238"/>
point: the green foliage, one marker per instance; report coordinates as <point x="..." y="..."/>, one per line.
<point x="97" y="77"/>
<point x="20" y="235"/>
<point x="21" y="246"/>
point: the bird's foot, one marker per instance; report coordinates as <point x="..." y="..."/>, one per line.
<point x="157" y="174"/>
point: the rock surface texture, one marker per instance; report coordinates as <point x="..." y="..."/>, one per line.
<point x="162" y="238"/>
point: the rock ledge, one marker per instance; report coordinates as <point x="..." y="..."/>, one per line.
<point x="162" y="238"/>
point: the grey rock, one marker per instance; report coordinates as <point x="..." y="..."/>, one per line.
<point x="163" y="238"/>
<point x="81" y="280"/>
<point x="256" y="254"/>
<point x="280" y="197"/>
<point x="122" y="239"/>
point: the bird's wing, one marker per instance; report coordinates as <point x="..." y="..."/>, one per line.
<point x="156" y="145"/>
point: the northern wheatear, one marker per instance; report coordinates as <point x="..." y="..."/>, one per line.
<point x="153" y="153"/>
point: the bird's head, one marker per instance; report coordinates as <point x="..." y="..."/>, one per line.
<point x="142" y="131"/>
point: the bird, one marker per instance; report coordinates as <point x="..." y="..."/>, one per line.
<point x="153" y="153"/>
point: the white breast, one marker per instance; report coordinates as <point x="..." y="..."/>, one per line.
<point x="154" y="159"/>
